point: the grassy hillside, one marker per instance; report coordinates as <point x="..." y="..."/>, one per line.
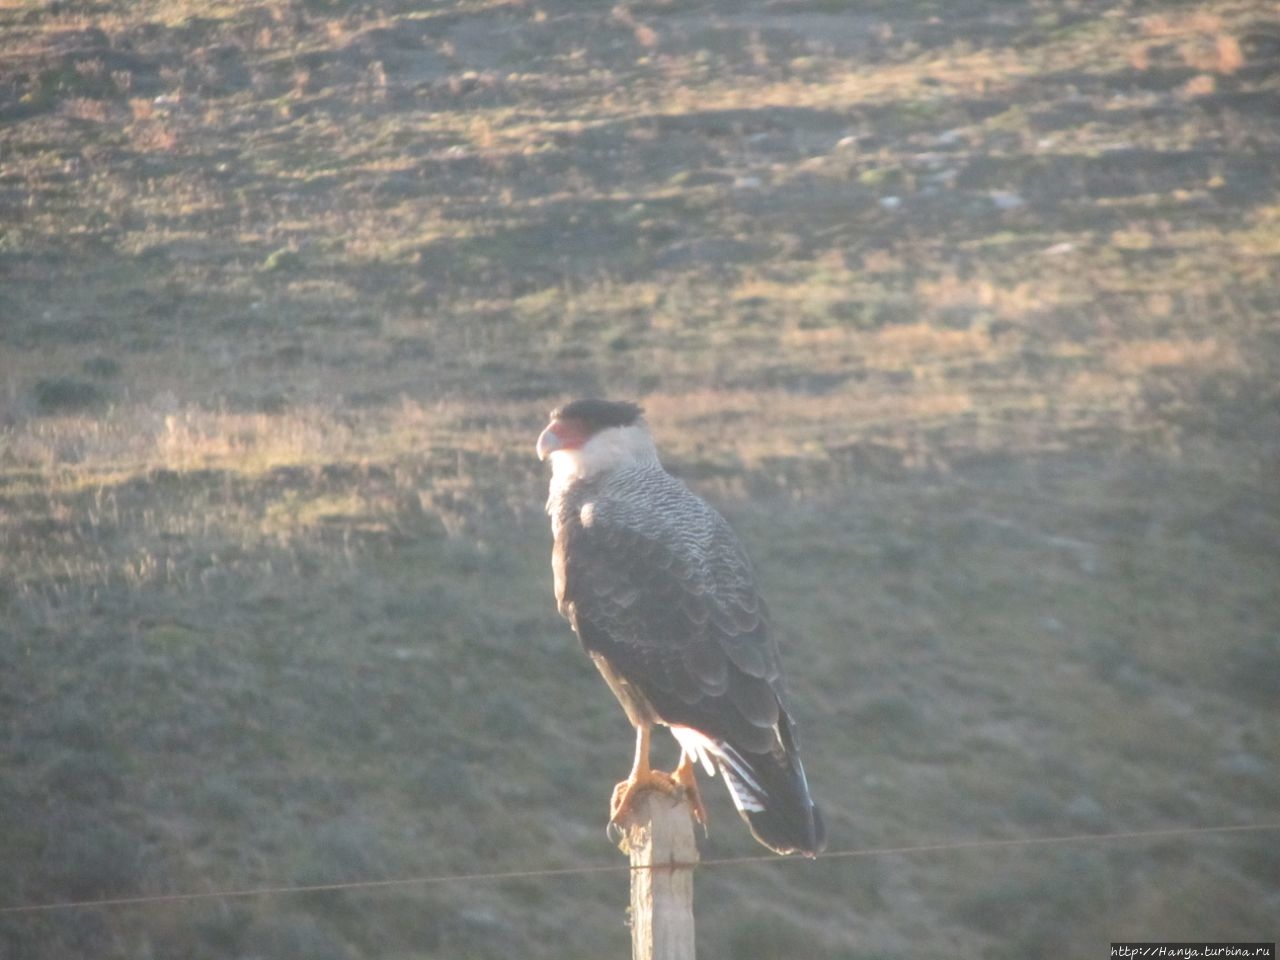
<point x="965" y="314"/>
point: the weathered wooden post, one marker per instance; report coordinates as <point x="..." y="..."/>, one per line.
<point x="658" y="835"/>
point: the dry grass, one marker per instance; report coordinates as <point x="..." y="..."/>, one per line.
<point x="967" y="322"/>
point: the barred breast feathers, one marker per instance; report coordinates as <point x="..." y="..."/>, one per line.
<point x="651" y="502"/>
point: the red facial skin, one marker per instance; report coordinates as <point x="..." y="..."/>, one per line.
<point x="562" y="435"/>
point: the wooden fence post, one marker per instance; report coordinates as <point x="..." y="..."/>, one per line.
<point x="658" y="835"/>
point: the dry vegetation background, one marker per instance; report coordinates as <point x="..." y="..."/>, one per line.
<point x="965" y="313"/>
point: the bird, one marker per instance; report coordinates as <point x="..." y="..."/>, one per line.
<point x="664" y="600"/>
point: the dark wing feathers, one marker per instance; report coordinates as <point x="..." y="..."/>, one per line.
<point x="662" y="596"/>
<point x="708" y="664"/>
<point x="693" y="639"/>
<point x="747" y="656"/>
<point x="757" y="702"/>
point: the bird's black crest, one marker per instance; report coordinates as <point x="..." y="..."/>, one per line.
<point x="599" y="414"/>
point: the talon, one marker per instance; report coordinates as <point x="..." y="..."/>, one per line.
<point x="625" y="793"/>
<point x="643" y="777"/>
<point x="684" y="776"/>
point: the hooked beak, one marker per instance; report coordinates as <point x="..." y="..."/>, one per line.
<point x="548" y="442"/>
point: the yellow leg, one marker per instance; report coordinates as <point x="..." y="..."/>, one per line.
<point x="684" y="775"/>
<point x="642" y="777"/>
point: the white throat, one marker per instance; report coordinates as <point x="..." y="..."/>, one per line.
<point x="609" y="449"/>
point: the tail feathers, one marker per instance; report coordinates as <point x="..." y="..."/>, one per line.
<point x="771" y="793"/>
